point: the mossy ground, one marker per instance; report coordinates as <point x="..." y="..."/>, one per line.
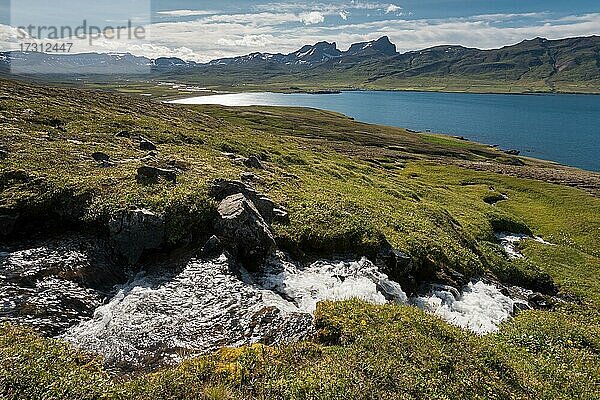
<point x="347" y="186"/>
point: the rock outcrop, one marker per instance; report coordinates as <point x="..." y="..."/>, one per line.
<point x="136" y="231"/>
<point x="398" y="267"/>
<point x="146" y="144"/>
<point x="243" y="229"/>
<point x="253" y="162"/>
<point x="268" y="209"/>
<point x="149" y="175"/>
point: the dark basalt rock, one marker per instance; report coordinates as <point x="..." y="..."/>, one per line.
<point x="242" y="228"/>
<point x="450" y="277"/>
<point x="253" y="162"/>
<point x="136" y="231"/>
<point x="249" y="177"/>
<point x="519" y="307"/>
<point x="281" y="216"/>
<point x="123" y="134"/>
<point x="271" y="212"/>
<point x="100" y="157"/>
<point x="7" y="224"/>
<point x="147" y="145"/>
<point x="540" y="302"/>
<point x="398" y="267"/>
<point x="513" y="152"/>
<point x="212" y="248"/>
<point x="150" y="175"/>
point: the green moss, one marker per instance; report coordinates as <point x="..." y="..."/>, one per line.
<point x="349" y="187"/>
<point x="363" y="352"/>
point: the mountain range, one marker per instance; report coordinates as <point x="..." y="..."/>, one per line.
<point x="321" y="52"/>
<point x="372" y="64"/>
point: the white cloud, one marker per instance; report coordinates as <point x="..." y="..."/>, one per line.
<point x="392" y="8"/>
<point x="216" y="36"/>
<point x="312" y="18"/>
<point x="187" y="13"/>
<point x="334" y="8"/>
<point x="248" y="41"/>
<point x="257" y="19"/>
<point x="365" y="5"/>
<point x="471" y="32"/>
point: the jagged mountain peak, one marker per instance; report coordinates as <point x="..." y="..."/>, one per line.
<point x="380" y="47"/>
<point x="319" y="52"/>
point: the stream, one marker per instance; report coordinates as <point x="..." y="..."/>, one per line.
<point x="66" y="287"/>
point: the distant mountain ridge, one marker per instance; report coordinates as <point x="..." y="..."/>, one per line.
<point x="367" y="64"/>
<point x="318" y="53"/>
<point x="537" y="57"/>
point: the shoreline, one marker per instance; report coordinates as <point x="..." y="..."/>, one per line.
<point x="459" y="136"/>
<point x="223" y="91"/>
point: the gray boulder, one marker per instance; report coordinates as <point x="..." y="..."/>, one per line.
<point x="135" y="231"/>
<point x="240" y="225"/>
<point x="268" y="209"/>
<point x="253" y="162"/>
<point x="398" y="267"/>
<point x="149" y="175"/>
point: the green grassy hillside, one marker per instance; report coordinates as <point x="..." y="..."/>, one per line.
<point x="348" y="186"/>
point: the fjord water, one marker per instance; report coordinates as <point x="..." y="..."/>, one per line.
<point x="563" y="128"/>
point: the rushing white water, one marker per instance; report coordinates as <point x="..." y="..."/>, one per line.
<point x="509" y="241"/>
<point x="202" y="308"/>
<point x="158" y="318"/>
<point x="207" y="306"/>
<point x="481" y="307"/>
<point x="325" y="280"/>
<point x="39" y="288"/>
<point x="162" y="317"/>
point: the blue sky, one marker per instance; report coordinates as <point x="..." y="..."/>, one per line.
<point x="204" y="30"/>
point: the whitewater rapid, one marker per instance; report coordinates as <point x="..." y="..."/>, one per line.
<point x="510" y="242"/>
<point x="65" y="287"/>
<point x="210" y="304"/>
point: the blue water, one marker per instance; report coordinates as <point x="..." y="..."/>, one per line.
<point x="562" y="128"/>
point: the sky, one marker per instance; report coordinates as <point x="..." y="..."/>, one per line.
<point x="205" y="30"/>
